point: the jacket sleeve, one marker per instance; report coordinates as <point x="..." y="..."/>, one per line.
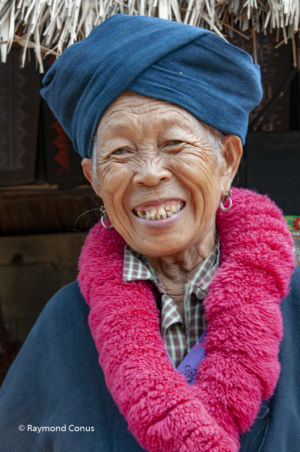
<point x="277" y="425"/>
<point x="56" y="383"/>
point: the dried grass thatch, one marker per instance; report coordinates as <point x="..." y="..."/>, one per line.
<point x="49" y="26"/>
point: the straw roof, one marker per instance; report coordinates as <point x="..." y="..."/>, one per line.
<point x="49" y="26"/>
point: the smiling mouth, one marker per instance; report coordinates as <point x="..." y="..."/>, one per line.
<point x="159" y="212"/>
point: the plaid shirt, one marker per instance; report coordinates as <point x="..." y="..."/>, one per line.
<point x="179" y="334"/>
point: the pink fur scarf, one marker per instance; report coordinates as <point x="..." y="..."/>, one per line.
<point x="244" y="331"/>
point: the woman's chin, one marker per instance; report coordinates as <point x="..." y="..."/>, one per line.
<point x="159" y="246"/>
<point x="160" y="237"/>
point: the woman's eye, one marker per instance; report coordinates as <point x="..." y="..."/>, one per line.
<point x="174" y="142"/>
<point x="120" y="151"/>
<point x="174" y="145"/>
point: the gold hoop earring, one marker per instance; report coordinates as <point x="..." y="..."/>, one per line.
<point x="104" y="219"/>
<point x="224" y="199"/>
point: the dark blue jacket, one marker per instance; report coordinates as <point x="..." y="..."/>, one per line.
<point x="56" y="381"/>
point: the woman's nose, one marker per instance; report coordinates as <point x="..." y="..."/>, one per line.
<point x="151" y="173"/>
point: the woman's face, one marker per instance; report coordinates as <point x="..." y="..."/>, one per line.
<point x="159" y="177"/>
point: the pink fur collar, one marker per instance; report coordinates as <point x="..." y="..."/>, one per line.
<point x="241" y="367"/>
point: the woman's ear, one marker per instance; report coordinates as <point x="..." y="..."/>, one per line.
<point x="88" y="171"/>
<point x="87" y="168"/>
<point x="232" y="151"/>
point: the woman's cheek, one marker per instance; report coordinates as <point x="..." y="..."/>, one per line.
<point x="112" y="179"/>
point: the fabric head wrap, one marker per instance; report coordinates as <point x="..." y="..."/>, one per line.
<point x="189" y="66"/>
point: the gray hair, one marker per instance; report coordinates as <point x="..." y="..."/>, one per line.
<point x="215" y="138"/>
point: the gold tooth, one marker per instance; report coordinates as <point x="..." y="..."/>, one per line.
<point x="161" y="213"/>
<point x="152" y="214"/>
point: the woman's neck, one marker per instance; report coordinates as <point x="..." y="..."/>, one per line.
<point x="182" y="265"/>
<point x="175" y="270"/>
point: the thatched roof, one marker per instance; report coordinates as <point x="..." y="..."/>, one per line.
<point x="49" y="26"/>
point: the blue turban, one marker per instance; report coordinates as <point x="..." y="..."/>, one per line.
<point x="189" y="66"/>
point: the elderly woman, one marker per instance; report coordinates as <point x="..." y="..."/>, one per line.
<point x="180" y="284"/>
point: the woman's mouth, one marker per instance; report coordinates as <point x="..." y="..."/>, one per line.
<point x="159" y="211"/>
